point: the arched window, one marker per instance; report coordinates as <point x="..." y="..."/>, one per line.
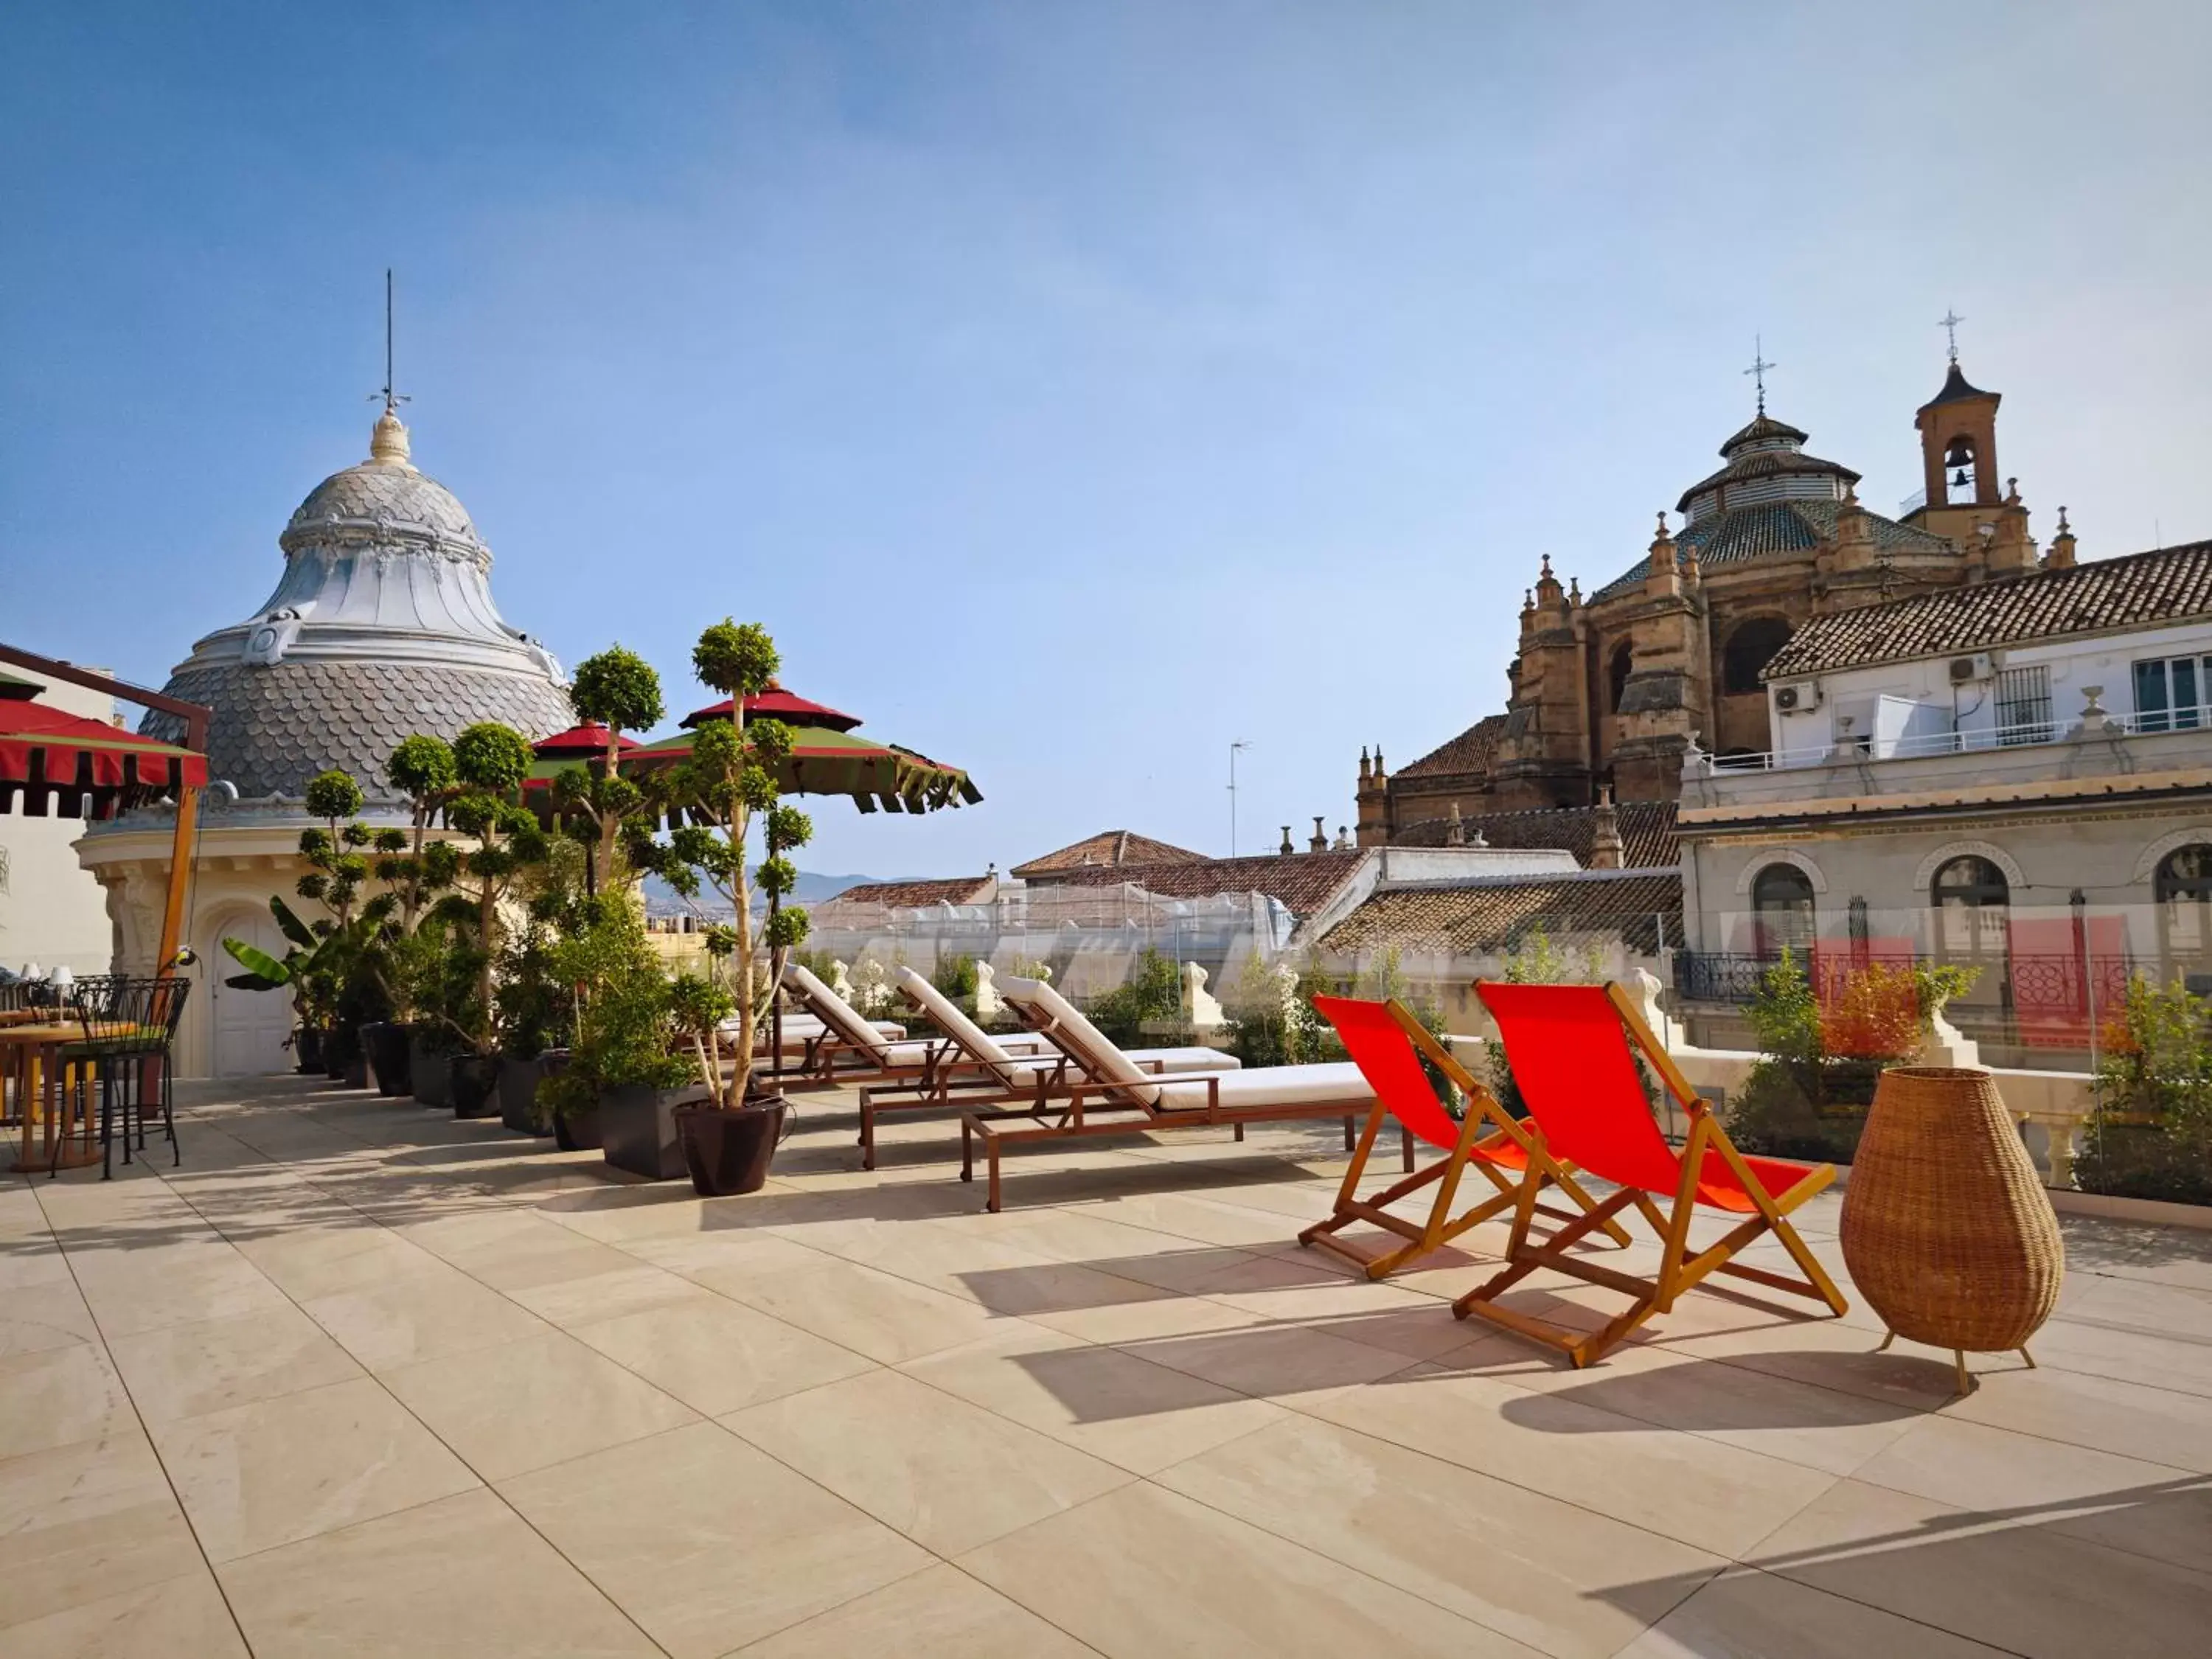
<point x="2183" y="888"/>
<point x="1971" y="897"/>
<point x="1616" y="674"/>
<point x="1782" y="909"/>
<point x="1748" y="650"/>
<point x="1959" y="470"/>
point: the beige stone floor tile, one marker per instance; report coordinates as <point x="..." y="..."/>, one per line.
<point x="1824" y="1352"/>
<point x="1146" y="1321"/>
<point x="2125" y="1351"/>
<point x="180" y="1618"/>
<point x="40" y="1316"/>
<point x="634" y="1287"/>
<point x="548" y="1254"/>
<point x="2011" y="1581"/>
<point x="2147" y="1508"/>
<point x="660" y="1209"/>
<point x="947" y="1473"/>
<point x="1132" y="1414"/>
<point x="1827" y="1429"/>
<point x="1272" y="1362"/>
<point x="707" y="1542"/>
<point x="53" y="1396"/>
<point x="1713" y="1496"/>
<point x="2124" y="1419"/>
<point x="717" y="1355"/>
<point x="938" y="1613"/>
<point x="185" y="1371"/>
<point x="525" y="1404"/>
<point x="460" y="1578"/>
<point x="278" y="1470"/>
<point x="1745" y="1612"/>
<point x="1516" y="1561"/>
<point x="130" y="1292"/>
<point x="1142" y="1571"/>
<point x="33" y="1262"/>
<point x="325" y="1259"/>
<point x="422" y="1317"/>
<point x="871" y="1313"/>
<point x="462" y="1233"/>
<point x="79" y="1522"/>
<point x="723" y="1259"/>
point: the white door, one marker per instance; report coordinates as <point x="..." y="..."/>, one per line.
<point x="250" y="1026"/>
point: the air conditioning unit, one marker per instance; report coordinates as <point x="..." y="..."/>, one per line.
<point x="1792" y="699"/>
<point x="1982" y="665"/>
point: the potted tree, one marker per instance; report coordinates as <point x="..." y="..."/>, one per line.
<point x="619" y="690"/>
<point x="535" y="1002"/>
<point x="608" y="1095"/>
<point x="729" y="782"/>
<point x="414" y="869"/>
<point x="489" y="763"/>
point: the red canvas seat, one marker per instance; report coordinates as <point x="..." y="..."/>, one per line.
<point x="1575" y="1050"/>
<point x="1388" y="1045"/>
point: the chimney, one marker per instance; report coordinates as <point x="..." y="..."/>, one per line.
<point x="1606" y="849"/>
<point x="1320" y="842"/>
<point x="1455" y="831"/>
<point x="2061" y="556"/>
<point x="1286" y="849"/>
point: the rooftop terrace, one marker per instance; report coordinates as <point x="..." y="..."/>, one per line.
<point x="361" y="1379"/>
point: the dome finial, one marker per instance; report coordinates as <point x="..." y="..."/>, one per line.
<point x="388" y="444"/>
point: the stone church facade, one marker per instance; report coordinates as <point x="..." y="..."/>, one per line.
<point x="1610" y="690"/>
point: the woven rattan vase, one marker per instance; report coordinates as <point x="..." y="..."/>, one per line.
<point x="1947" y="1229"/>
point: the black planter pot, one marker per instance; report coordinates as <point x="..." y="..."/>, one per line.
<point x="307" y="1046"/>
<point x="637" y="1129"/>
<point x="386" y="1045"/>
<point x="518" y="1091"/>
<point x="430" y="1076"/>
<point x="357" y="1070"/>
<point x="337" y="1041"/>
<point x="729" y="1153"/>
<point x="474" y="1082"/>
<point x="578" y="1132"/>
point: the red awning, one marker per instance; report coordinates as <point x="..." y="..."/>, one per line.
<point x="777" y="704"/>
<point x="581" y="741"/>
<point x="98" y="769"/>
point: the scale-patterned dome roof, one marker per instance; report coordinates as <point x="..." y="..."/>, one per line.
<point x="382" y="626"/>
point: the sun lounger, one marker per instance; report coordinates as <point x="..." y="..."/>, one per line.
<point x="1005" y="1068"/>
<point x="1119" y="1097"/>
<point x="1574" y="1051"/>
<point x="1388" y="1045"/>
<point x="851" y="1050"/>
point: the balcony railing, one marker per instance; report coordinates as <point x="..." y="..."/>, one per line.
<point x="1857" y="749"/>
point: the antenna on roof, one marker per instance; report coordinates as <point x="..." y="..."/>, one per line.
<point x="390" y="398"/>
<point x="1240" y="743"/>
<point x="1949" y="322"/>
<point x="1758" y="369"/>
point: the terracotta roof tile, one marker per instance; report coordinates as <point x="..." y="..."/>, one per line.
<point x="912" y="894"/>
<point x="1108" y="848"/>
<point x="1647" y="831"/>
<point x="1304" y="882"/>
<point x="1469" y="752"/>
<point x="2171" y="585"/>
<point x="1477" y="917"/>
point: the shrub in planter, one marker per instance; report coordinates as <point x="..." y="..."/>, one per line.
<point x="2151" y="1133"/>
<point x="570" y="1100"/>
<point x="519" y="1109"/>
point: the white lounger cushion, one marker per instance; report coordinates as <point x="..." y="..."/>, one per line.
<point x="1089" y="1048"/>
<point x="999" y="1054"/>
<point x="836" y="1014"/>
<point x="1274" y="1086"/>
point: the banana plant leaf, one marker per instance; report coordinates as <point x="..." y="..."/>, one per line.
<point x="292" y="928"/>
<point x="259" y="966"/>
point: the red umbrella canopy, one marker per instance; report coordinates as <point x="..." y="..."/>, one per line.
<point x="94" y="769"/>
<point x="774" y="703"/>
<point x="587" y="741"/>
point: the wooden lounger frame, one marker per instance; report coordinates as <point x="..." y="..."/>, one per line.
<point x="1678" y="1270"/>
<point x="1441" y="1227"/>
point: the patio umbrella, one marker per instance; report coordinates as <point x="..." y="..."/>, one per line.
<point x="49" y="756"/>
<point x="827" y="757"/>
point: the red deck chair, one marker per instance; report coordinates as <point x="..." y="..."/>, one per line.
<point x="1388" y="1043"/>
<point x="1570" y="1047"/>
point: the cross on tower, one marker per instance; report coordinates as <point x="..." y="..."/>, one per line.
<point x="390" y="398"/>
<point x="1949" y="322"/>
<point x="1758" y="370"/>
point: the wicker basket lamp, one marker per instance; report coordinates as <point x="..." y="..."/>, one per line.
<point x="1946" y="1228"/>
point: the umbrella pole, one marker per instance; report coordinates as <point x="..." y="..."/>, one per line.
<point x="181" y="876"/>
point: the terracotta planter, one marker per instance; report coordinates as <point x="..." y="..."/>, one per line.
<point x="1947" y="1230"/>
<point x="386" y="1045"/>
<point x="430" y="1076"/>
<point x="728" y="1152"/>
<point x="475" y="1084"/>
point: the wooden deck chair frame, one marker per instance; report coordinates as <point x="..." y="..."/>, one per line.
<point x="1442" y="1226"/>
<point x="1068" y="1115"/>
<point x="1679" y="1269"/>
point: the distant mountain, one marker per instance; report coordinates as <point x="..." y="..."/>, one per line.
<point x="662" y="901"/>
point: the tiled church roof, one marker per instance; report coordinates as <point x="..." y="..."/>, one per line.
<point x="1744" y="533"/>
<point x="1468" y="752"/>
<point x="2173" y="584"/>
<point x="1647" y="831"/>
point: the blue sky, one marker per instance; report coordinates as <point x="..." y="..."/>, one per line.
<point x="1072" y="388"/>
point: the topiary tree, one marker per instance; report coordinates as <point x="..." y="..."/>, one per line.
<point x="617" y="689"/>
<point x="489" y="763"/>
<point x="728" y="784"/>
